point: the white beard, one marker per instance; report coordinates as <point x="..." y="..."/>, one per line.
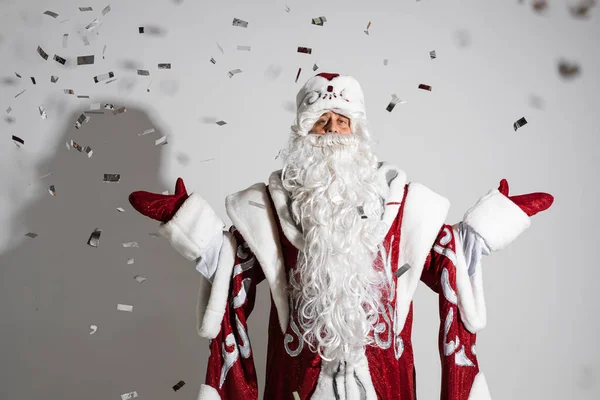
<point x="337" y="285"/>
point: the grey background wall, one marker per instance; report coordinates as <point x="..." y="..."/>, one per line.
<point x="496" y="62"/>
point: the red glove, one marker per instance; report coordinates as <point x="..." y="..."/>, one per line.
<point x="160" y="207"/>
<point x="531" y="203"/>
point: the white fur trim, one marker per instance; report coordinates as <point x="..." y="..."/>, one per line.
<point x="352" y="382"/>
<point x="471" y="301"/>
<point x="208" y="393"/>
<point x="424" y="214"/>
<point x="497" y="219"/>
<point x="211" y="308"/>
<point x="192" y="228"/>
<point x="259" y="228"/>
<point x="479" y="390"/>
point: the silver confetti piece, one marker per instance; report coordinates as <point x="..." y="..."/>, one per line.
<point x="93" y="328"/>
<point x="519" y="123"/>
<point x="59" y="59"/>
<point x="252" y="203"/>
<point x="146" y="132"/>
<point x="120" y="209"/>
<point x="108" y="106"/>
<point x="234" y="72"/>
<point x="287" y="8"/>
<point x="85" y="60"/>
<point x="103" y="51"/>
<point x="385" y="62"/>
<point x="244" y="48"/>
<point x="18" y="76"/>
<point x="31" y="235"/>
<point x="18" y="141"/>
<point x="85" y="9"/>
<point x="20" y="93"/>
<point x="89" y="151"/>
<point x="42" y="53"/>
<point x="319" y="21"/>
<point x="128" y="308"/>
<point x="131" y="244"/>
<point x="95" y="112"/>
<point x="164" y="66"/>
<point x="106" y="10"/>
<point x="130" y="261"/>
<point x="68" y="91"/>
<point x="65" y="37"/>
<point x="48" y="174"/>
<point x="83" y="96"/>
<point x="9" y="109"/>
<point x="212" y="60"/>
<point x="94" y="239"/>
<point x="76" y="146"/>
<point x="240" y="23"/>
<point x="139" y="278"/>
<point x="95" y="106"/>
<point x="400" y="271"/>
<point x="54" y="79"/>
<point x="103" y="77"/>
<point x="33" y="80"/>
<point x="305" y="50"/>
<point x="51" y="13"/>
<point x="42" y="112"/>
<point x="160" y="140"/>
<point x="86" y="42"/>
<point x="220" y="48"/>
<point x="221" y="123"/>
<point x="111" y="178"/>
<point x="143" y="72"/>
<point x="127" y="396"/>
<point x="315" y="67"/>
<point x="432" y="54"/>
<point x="83" y="119"/>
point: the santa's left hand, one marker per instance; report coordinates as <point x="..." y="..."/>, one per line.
<point x="531" y="203"/>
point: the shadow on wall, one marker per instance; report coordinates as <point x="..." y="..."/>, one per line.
<point x="54" y="287"/>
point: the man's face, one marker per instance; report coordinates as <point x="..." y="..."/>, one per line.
<point x="331" y="122"/>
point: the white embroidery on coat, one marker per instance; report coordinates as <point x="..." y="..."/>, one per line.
<point x="240" y="297"/>
<point x="245" y="348"/>
<point x="382" y="327"/>
<point x="449" y="347"/>
<point x="229" y="357"/>
<point x="461" y="359"/>
<point x="473" y="350"/>
<point x="449" y="293"/>
<point x="288" y="338"/>
<point x="245" y="266"/>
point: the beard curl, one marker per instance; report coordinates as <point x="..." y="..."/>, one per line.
<point x="338" y="284"/>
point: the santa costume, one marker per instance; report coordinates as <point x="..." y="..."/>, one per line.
<point x="265" y="243"/>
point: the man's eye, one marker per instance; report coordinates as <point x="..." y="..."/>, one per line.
<point x="322" y="121"/>
<point x="343" y="121"/>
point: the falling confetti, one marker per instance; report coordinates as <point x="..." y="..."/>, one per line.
<point x="287" y="8"/>
<point x="93" y="25"/>
<point x="18" y="76"/>
<point x="385" y="62"/>
<point x="425" y="87"/>
<point x="31" y="235"/>
<point x="86" y="42"/>
<point x="127" y="396"/>
<point x="106" y="10"/>
<point x="298" y="74"/>
<point x="146" y="132"/>
<point x="130" y="261"/>
<point x="540" y="5"/>
<point x="432" y="54"/>
<point x="18" y="139"/>
<point x="139" y="279"/>
<point x="400" y="271"/>
<point x="111" y="178"/>
<point x="234" y="72"/>
<point x="93" y="328"/>
<point x="59" y="59"/>
<point x="160" y="140"/>
<point x="42" y="112"/>
<point x="305" y="50"/>
<point x="164" y="66"/>
<point x="395" y="100"/>
<point x="85" y="9"/>
<point x="367" y="30"/>
<point x="178" y="386"/>
<point x="131" y="244"/>
<point x="519" y="123"/>
<point x="103" y="77"/>
<point x="33" y="80"/>
<point x="51" y="13"/>
<point x="120" y="209"/>
<point x="319" y="21"/>
<point x="85" y="60"/>
<point x="94" y="239"/>
<point x="42" y="53"/>
<point x="221" y="123"/>
<point x="580" y="10"/>
<point x="88" y="150"/>
<point x="20" y="93"/>
<point x="83" y="119"/>
<point x="128" y="308"/>
<point x="244" y="48"/>
<point x="568" y="69"/>
<point x="240" y="23"/>
<point x="315" y="67"/>
<point x="212" y="60"/>
<point x="53" y="79"/>
<point x="220" y="48"/>
<point x="65" y="37"/>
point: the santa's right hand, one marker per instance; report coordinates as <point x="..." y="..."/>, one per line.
<point x="160" y="207"/>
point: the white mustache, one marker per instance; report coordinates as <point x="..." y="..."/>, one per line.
<point x="332" y="139"/>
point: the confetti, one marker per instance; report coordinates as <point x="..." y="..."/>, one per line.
<point x="400" y="271"/>
<point x="106" y="10"/>
<point x="31" y="235"/>
<point x="367" y="30"/>
<point x="296" y="396"/>
<point x="220" y="48"/>
<point x="111" y="178"/>
<point x="94" y="112"/>
<point x="519" y="123"/>
<point x="127" y="396"/>
<point x="93" y="25"/>
<point x="83" y="119"/>
<point x="33" y="80"/>
<point x="146" y="132"/>
<point x="93" y="328"/>
<point x="18" y="76"/>
<point x="141" y="29"/>
<point x="395" y="100"/>
<point x="319" y="21"/>
<point x="9" y="109"/>
<point x="153" y="234"/>
<point x="540" y="5"/>
<point x="148" y="88"/>
<point x="65" y="37"/>
<point x="85" y="60"/>
<point x="42" y="53"/>
<point x="76" y="146"/>
<point x="385" y="62"/>
<point x="221" y="123"/>
<point x="20" y="93"/>
<point x="94" y="239"/>
<point x="51" y="13"/>
<point x="581" y="9"/>
<point x="120" y="209"/>
<point x="103" y="77"/>
<point x="244" y="48"/>
<point x="432" y="54"/>
<point x="315" y="67"/>
<point x="212" y="60"/>
<point x="59" y="59"/>
<point x="68" y="91"/>
<point x="305" y="50"/>
<point x="240" y="23"/>
<point x="287" y="8"/>
<point x="130" y="261"/>
<point x="18" y="139"/>
<point x="130" y="244"/>
<point x="53" y="79"/>
<point x="119" y="111"/>
<point x="234" y="72"/>
<point x="252" y="203"/>
<point x="88" y="151"/>
<point x="298" y="75"/>
<point x="425" y="87"/>
<point x="125" y="307"/>
<point x="164" y="66"/>
<point x="143" y="72"/>
<point x="110" y="81"/>
<point x="42" y="112"/>
<point x="83" y="96"/>
<point x="178" y="386"/>
<point x="568" y="69"/>
<point x="139" y="278"/>
<point x="85" y="9"/>
<point x="103" y="51"/>
<point x="48" y="174"/>
<point x="108" y="106"/>
<point x="160" y="140"/>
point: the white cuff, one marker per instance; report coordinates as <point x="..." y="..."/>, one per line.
<point x="192" y="228"/>
<point x="497" y="220"/>
<point x="208" y="393"/>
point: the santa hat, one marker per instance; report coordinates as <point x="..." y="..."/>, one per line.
<point x="341" y="94"/>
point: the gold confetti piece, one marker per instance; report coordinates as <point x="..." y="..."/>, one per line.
<point x="519" y="123"/>
<point x="51" y="13"/>
<point x="54" y="79"/>
<point x="143" y="72"/>
<point x="18" y="140"/>
<point x="319" y="21"/>
<point x="85" y="9"/>
<point x="120" y="209"/>
<point x="240" y="23"/>
<point x="20" y="93"/>
<point x="127" y="396"/>
<point x="252" y="203"/>
<point x="164" y="66"/>
<point x="305" y="50"/>
<point x="31" y="235"/>
<point x="178" y="386"/>
<point x="160" y="140"/>
<point x="93" y="328"/>
<point x="94" y="239"/>
<point x="296" y="396"/>
<point x="234" y="72"/>
<point x="42" y="112"/>
<point x="85" y="60"/>
<point x="131" y="244"/>
<point x="425" y="87"/>
<point x="128" y="308"/>
<point x="111" y="178"/>
<point x="139" y="278"/>
<point x="432" y="54"/>
<point x="106" y="10"/>
<point x="103" y="77"/>
<point x="400" y="271"/>
<point x="42" y="53"/>
<point x="130" y="261"/>
<point x="244" y="48"/>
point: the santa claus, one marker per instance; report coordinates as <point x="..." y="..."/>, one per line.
<point x="342" y="240"/>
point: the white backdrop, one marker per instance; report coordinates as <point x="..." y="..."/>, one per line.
<point x="493" y="58"/>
